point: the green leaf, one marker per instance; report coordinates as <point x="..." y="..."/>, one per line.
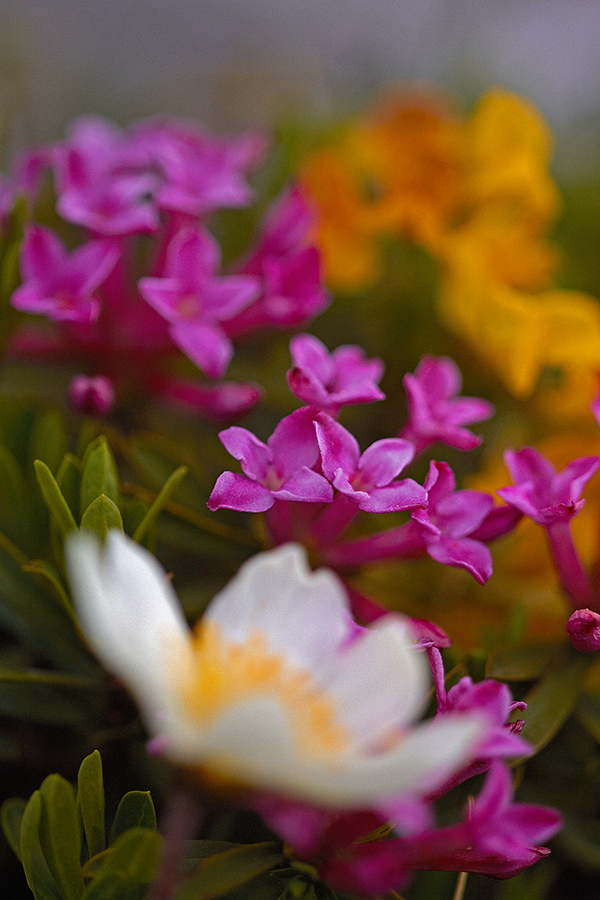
<point x="11" y="816"/>
<point x="136" y="809"/>
<point x="588" y="713"/>
<point x="101" y="515"/>
<point x="56" y="503"/>
<point x="60" y="835"/>
<point x="36" y="869"/>
<point x="9" y="270"/>
<point x="523" y="662"/>
<point x="12" y="483"/>
<point x="49" y="439"/>
<point x="581" y="840"/>
<point x="167" y="490"/>
<point x="128" y="867"/>
<point x="68" y="479"/>
<point x="90" y="802"/>
<point x="226" y="871"/>
<point x="40" y="624"/>
<point x="38" y="697"/>
<point x="48" y="573"/>
<point x="553" y="698"/>
<point x="99" y="475"/>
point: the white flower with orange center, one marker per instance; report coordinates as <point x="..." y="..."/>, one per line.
<point x="276" y="687"/>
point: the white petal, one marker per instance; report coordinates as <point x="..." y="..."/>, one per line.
<point x="130" y="614"/>
<point x="380" y="681"/>
<point x="252" y="742"/>
<point x="304" y="615"/>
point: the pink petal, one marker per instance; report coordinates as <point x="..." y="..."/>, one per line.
<point x="234" y="491"/>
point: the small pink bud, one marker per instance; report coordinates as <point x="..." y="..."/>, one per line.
<point x="93" y="396"/>
<point x="583" y="628"/>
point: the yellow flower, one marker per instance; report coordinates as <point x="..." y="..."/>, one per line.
<point x="394" y="172"/>
<point x="515" y="332"/>
<point x="509" y="145"/>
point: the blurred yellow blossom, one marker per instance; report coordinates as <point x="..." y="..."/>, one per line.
<point x="476" y="193"/>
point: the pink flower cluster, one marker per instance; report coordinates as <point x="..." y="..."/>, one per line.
<point x="312" y="459"/>
<point x="151" y="190"/>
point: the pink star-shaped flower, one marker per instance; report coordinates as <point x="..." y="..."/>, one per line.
<point x="196" y="301"/>
<point x="435" y="409"/>
<point x="58" y="284"/>
<point x="332" y="380"/>
<point x="281" y="469"/>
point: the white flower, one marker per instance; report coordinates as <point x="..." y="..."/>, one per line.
<point x="276" y="687"/>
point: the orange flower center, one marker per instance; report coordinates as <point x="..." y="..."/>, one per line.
<point x="222" y="674"/>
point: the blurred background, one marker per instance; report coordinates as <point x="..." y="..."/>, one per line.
<point x="232" y="63"/>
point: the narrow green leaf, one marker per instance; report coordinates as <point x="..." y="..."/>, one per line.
<point x="60" y="835"/>
<point x="136" y="809"/>
<point x="101" y="515"/>
<point x="49" y="439"/>
<point x="553" y="698"/>
<point x="48" y="573"/>
<point x="90" y="802"/>
<point x="581" y="840"/>
<point x="166" y="492"/>
<point x="12" y="483"/>
<point x="99" y="474"/>
<point x="30" y="699"/>
<point x="229" y="870"/>
<point x="523" y="662"/>
<point x="128" y="867"/>
<point x="37" y="873"/>
<point x="11" y="816"/>
<point x="56" y="503"/>
<point x="9" y="270"/>
<point x="68" y="479"/>
<point x="588" y="713"/>
<point x="39" y="623"/>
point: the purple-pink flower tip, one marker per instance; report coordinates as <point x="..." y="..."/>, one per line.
<point x="94" y="396"/>
<point x="583" y="629"/>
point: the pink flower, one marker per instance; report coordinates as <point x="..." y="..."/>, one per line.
<point x="583" y="629"/>
<point x="369" y="480"/>
<point x="436" y="411"/>
<point x="281" y="469"/>
<point x="289" y="270"/>
<point x="551" y="499"/>
<point x="329" y="381"/>
<point x="198" y="171"/>
<point x="93" y="395"/>
<point x="539" y="491"/>
<point x="105" y="180"/>
<point x="195" y="301"/>
<point x="58" y="284"/>
<point x="447" y="530"/>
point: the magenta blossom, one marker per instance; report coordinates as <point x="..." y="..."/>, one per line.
<point x="105" y="180"/>
<point x="494" y="701"/>
<point x="444" y="530"/>
<point x="199" y="171"/>
<point x="369" y="480"/>
<point x="58" y="284"/>
<point x="281" y="469"/>
<point x="93" y="395"/>
<point x="436" y="411"/>
<point x="332" y="380"/>
<point x="583" y="629"/>
<point x="539" y="491"/>
<point x="551" y="499"/>
<point x="288" y="267"/>
<point x="195" y="301"/>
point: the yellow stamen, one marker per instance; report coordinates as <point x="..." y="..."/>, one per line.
<point x="221" y="674"/>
